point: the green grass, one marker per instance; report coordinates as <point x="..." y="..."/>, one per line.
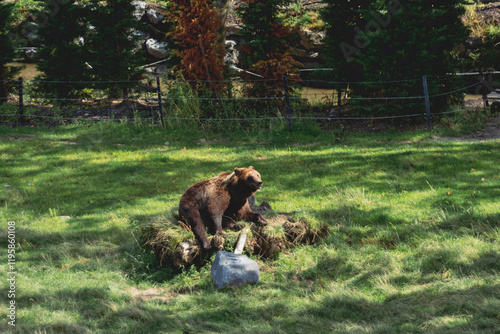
<point x="414" y="244"/>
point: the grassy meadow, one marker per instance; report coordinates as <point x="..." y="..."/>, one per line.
<point x="414" y="244"/>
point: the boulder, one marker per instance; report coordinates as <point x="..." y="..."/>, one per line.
<point x="157" y="49"/>
<point x="229" y="269"/>
<point x="232" y="53"/>
<point x="311" y="39"/>
<point x="153" y="16"/>
<point x="31" y="52"/>
<point x="140" y="9"/>
<point x="232" y="29"/>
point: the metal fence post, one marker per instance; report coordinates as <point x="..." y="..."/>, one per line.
<point x="287" y="102"/>
<point x="158" y="90"/>
<point x="21" y="119"/>
<point x="427" y="103"/>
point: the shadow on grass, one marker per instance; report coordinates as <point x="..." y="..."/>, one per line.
<point x="427" y="310"/>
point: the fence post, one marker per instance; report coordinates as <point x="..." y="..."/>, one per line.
<point x="158" y="90"/>
<point x="427" y="104"/>
<point x="287" y="102"/>
<point x="21" y="119"/>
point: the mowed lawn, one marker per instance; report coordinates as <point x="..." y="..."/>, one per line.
<point x="414" y="244"/>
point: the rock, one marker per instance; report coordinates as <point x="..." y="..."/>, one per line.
<point x="156" y="70"/>
<point x="232" y="29"/>
<point x="153" y="16"/>
<point x="157" y="49"/>
<point x="30" y="52"/>
<point x="232" y="53"/>
<point x="311" y="40"/>
<point x="139" y="37"/>
<point x="229" y="269"/>
<point x="140" y="9"/>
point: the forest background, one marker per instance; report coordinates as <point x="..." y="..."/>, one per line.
<point x="386" y="45"/>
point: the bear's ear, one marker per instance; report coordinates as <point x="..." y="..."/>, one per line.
<point x="251" y="167"/>
<point x="237" y="171"/>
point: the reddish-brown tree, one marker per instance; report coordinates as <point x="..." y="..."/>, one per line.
<point x="201" y="52"/>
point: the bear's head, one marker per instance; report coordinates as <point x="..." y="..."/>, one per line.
<point x="248" y="178"/>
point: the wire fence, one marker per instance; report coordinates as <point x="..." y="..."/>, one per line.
<point x="161" y="99"/>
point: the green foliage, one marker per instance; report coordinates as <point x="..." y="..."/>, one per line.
<point x="115" y="54"/>
<point x="8" y="113"/>
<point x="261" y="28"/>
<point x="295" y="15"/>
<point x="266" y="50"/>
<point x="63" y="53"/>
<point x="8" y="53"/>
<point x="401" y="42"/>
<point x="467" y="121"/>
<point x="486" y="52"/>
<point x="72" y="53"/>
<point x="341" y="17"/>
<point x="182" y="99"/>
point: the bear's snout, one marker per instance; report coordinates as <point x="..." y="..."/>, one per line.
<point x="258" y="185"/>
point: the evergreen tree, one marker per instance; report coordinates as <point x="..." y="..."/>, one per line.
<point x="115" y="52"/>
<point x="201" y="52"/>
<point x="401" y="42"/>
<point x="341" y="18"/>
<point x="266" y="50"/>
<point x="63" y="53"/>
<point x="7" y="52"/>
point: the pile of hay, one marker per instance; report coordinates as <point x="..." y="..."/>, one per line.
<point x="174" y="243"/>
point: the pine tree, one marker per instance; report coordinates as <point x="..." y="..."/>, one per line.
<point x="267" y="51"/>
<point x="342" y="45"/>
<point x="115" y="53"/>
<point x="63" y="53"/>
<point x="7" y="52"/>
<point x="201" y="52"/>
<point x="400" y="41"/>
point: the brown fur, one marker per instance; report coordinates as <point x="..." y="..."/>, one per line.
<point x="219" y="202"/>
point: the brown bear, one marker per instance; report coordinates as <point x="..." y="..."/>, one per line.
<point x="218" y="202"/>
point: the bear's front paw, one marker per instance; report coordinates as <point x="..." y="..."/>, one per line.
<point x="234" y="226"/>
<point x="261" y="220"/>
<point x="219" y="241"/>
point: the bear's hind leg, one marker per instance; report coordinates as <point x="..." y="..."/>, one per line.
<point x="194" y="219"/>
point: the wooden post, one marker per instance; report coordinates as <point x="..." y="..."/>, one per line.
<point x="287" y="102"/>
<point x="427" y="103"/>
<point x="158" y="90"/>
<point x="241" y="241"/>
